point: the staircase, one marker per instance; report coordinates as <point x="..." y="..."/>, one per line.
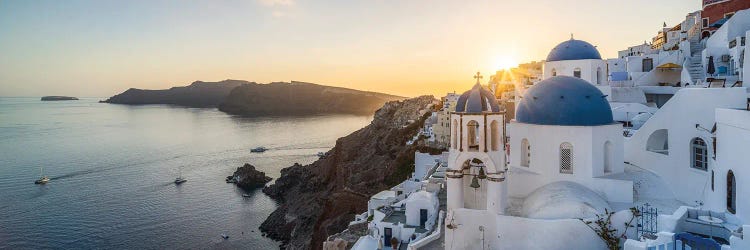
<point x="694" y="64"/>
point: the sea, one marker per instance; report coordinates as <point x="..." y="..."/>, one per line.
<point x="112" y="167"/>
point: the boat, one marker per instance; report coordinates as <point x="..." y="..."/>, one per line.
<point x="43" y="179"/>
<point x="225" y="236"/>
<point x="179" y="179"/>
<point x="246" y="195"/>
<point x="258" y="150"/>
<point x="322" y="155"/>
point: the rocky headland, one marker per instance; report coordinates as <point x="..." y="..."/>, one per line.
<point x="247" y="177"/>
<point x="301" y="98"/>
<point x="198" y="94"/>
<point x="58" y="98"/>
<point x="320" y="199"/>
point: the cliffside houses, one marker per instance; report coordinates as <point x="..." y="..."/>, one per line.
<point x="653" y="143"/>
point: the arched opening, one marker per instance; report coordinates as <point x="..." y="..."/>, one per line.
<point x="475" y="184"/>
<point x="731" y="193"/>
<point x="699" y="154"/>
<point x="577" y="72"/>
<point x="525" y="153"/>
<point x="566" y="158"/>
<point x="495" y="133"/>
<point x="454" y="135"/>
<point x="658" y="142"/>
<point x="609" y="157"/>
<point x="554" y="72"/>
<point x="599" y="76"/>
<point x="705" y="34"/>
<point x="473" y="139"/>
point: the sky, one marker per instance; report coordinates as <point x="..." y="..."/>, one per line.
<point x="100" y="48"/>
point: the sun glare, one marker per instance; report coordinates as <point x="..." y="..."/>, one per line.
<point x="504" y="63"/>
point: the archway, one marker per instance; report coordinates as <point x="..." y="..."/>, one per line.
<point x="473" y="139"/>
<point x="475" y="184"/>
<point x="705" y="34"/>
<point x="495" y="133"/>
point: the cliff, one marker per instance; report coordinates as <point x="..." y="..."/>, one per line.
<point x="320" y="199"/>
<point x="300" y="98"/>
<point x="198" y="94"/>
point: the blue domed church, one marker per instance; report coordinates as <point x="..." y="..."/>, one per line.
<point x="564" y="131"/>
<point x="578" y="59"/>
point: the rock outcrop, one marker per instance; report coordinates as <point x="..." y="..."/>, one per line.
<point x="198" y="94"/>
<point x="58" y="98"/>
<point x="247" y="177"/>
<point x="300" y="98"/>
<point x="320" y="199"/>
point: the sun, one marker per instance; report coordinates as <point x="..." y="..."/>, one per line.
<point x="504" y="63"/>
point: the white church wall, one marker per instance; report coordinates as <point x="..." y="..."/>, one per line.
<point x="678" y="117"/>
<point x="588" y="158"/>
<point x="588" y="67"/>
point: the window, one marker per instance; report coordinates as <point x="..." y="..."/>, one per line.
<point x="608" y="157"/>
<point x="554" y="72"/>
<point x="648" y="64"/>
<point x="525" y="153"/>
<point x="473" y="135"/>
<point x="731" y="193"/>
<point x="566" y="158"/>
<point x="598" y="76"/>
<point x="699" y="152"/>
<point x="705" y="22"/>
<point x="658" y="142"/>
<point x="577" y="72"/>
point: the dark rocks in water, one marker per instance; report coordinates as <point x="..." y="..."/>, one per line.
<point x="301" y="98"/>
<point x="58" y="98"/>
<point x="247" y="177"/>
<point x="321" y="199"/>
<point x="198" y="94"/>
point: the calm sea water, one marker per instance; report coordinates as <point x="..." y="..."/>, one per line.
<point x="112" y="166"/>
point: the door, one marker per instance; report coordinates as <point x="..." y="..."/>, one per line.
<point x="388" y="233"/>
<point x="422" y="217"/>
<point x="731" y="193"/>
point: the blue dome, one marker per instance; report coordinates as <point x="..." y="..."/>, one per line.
<point x="573" y="50"/>
<point x="477" y="100"/>
<point x="566" y="101"/>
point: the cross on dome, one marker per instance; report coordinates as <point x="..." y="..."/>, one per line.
<point x="478" y="76"/>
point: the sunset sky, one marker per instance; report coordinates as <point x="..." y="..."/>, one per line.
<point x="407" y="47"/>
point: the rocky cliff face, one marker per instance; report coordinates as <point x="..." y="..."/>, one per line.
<point x="300" y="98"/>
<point x="320" y="199"/>
<point x="247" y="177"/>
<point x="198" y="94"/>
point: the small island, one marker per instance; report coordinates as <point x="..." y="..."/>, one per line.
<point x="246" y="177"/>
<point x="58" y="98"/>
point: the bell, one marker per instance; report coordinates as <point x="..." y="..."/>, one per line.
<point x="474" y="182"/>
<point x="481" y="174"/>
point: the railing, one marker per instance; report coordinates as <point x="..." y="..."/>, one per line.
<point x="417" y="243"/>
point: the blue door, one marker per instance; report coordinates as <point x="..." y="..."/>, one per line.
<point x="422" y="217"/>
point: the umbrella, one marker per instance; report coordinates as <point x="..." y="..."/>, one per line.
<point x="711" y="68"/>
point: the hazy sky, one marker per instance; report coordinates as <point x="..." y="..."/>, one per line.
<point x="404" y="47"/>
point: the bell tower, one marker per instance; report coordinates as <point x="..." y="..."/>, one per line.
<point x="476" y="174"/>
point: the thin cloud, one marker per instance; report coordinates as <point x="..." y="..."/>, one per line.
<point x="276" y="2"/>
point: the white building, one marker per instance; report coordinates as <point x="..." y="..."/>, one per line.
<point x="576" y="58"/>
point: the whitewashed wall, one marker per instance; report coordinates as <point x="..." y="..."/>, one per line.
<point x="733" y="153"/>
<point x="588" y="69"/>
<point x="588" y="158"/>
<point x="679" y="115"/>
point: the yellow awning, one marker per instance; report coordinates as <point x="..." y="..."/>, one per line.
<point x="669" y="66"/>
